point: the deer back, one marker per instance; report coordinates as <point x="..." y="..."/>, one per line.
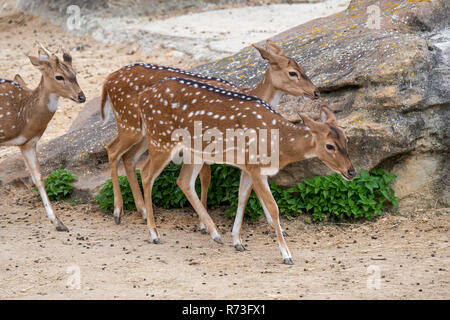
<point x="124" y="85"/>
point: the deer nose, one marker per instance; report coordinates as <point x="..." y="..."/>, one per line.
<point x="316" y="94"/>
<point x="351" y="172"/>
<point x="81" y="98"/>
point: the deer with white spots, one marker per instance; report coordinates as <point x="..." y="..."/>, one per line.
<point x="25" y="113"/>
<point x="121" y="89"/>
<point x="174" y="107"/>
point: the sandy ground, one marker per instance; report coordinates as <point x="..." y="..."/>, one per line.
<point x="408" y="254"/>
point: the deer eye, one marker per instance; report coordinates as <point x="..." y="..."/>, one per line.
<point x="59" y="78"/>
<point x="329" y="147"/>
<point x="293" y="74"/>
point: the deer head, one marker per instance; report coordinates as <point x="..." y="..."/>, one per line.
<point x="58" y="75"/>
<point x="330" y="143"/>
<point x="286" y="74"/>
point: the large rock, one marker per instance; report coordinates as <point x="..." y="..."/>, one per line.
<point x="390" y="88"/>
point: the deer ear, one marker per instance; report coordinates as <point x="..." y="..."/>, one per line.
<point x="276" y="49"/>
<point x="66" y="56"/>
<point x="19" y="80"/>
<point x="326" y="115"/>
<point x="35" y="61"/>
<point x="310" y="124"/>
<point x="272" y="58"/>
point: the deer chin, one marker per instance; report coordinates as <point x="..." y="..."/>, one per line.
<point x="77" y="100"/>
<point x="308" y="97"/>
<point x="345" y="176"/>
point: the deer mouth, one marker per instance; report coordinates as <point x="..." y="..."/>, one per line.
<point x="308" y="97"/>
<point x="346" y="177"/>
<point x="80" y="99"/>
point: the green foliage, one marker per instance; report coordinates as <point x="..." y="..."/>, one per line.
<point x="331" y="197"/>
<point x="58" y="184"/>
<point x="327" y="197"/>
<point x="165" y="192"/>
<point x="105" y="198"/>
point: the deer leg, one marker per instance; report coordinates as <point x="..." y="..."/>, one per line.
<point x="129" y="162"/>
<point x="116" y="148"/>
<point x="245" y="188"/>
<point x="205" y="179"/>
<point x="31" y="161"/>
<point x="186" y="182"/>
<point x="150" y="171"/>
<point x="270" y="207"/>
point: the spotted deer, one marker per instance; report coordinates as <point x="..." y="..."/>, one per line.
<point x="121" y="89"/>
<point x="25" y="113"/>
<point x="174" y="107"/>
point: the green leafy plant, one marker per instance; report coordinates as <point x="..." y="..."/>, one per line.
<point x="58" y="184"/>
<point x="326" y="197"/>
<point x="105" y="198"/>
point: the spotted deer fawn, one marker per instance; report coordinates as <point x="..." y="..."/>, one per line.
<point x="176" y="107"/>
<point x="121" y="89"/>
<point x="25" y="113"/>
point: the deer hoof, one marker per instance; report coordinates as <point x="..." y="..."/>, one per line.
<point x="239" y="247"/>
<point x="218" y="239"/>
<point x="60" y="226"/>
<point x="203" y="231"/>
<point x="117" y="215"/>
<point x="157" y="241"/>
<point x="288" y="261"/>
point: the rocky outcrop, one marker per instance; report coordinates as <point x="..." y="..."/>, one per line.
<point x="390" y="88"/>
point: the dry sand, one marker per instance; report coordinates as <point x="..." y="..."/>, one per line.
<point x="408" y="254"/>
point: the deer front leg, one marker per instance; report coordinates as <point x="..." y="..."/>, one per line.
<point x="31" y="161"/>
<point x="129" y="162"/>
<point x="186" y="182"/>
<point x="245" y="188"/>
<point x="262" y="189"/>
<point x="205" y="180"/>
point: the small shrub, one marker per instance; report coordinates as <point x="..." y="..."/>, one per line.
<point x="105" y="198"/>
<point x="325" y="197"/>
<point x="58" y="184"/>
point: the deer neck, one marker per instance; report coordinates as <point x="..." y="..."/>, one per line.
<point x="40" y="107"/>
<point x="266" y="91"/>
<point x="296" y="144"/>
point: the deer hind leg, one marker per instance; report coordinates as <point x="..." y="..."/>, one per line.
<point x="150" y="171"/>
<point x="245" y="188"/>
<point x="116" y="148"/>
<point x="31" y="161"/>
<point x="186" y="182"/>
<point x="270" y="207"/>
<point x="205" y="180"/>
<point x="129" y="162"/>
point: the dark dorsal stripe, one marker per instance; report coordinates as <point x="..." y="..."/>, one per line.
<point x="224" y="92"/>
<point x="184" y="72"/>
<point x="11" y="82"/>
